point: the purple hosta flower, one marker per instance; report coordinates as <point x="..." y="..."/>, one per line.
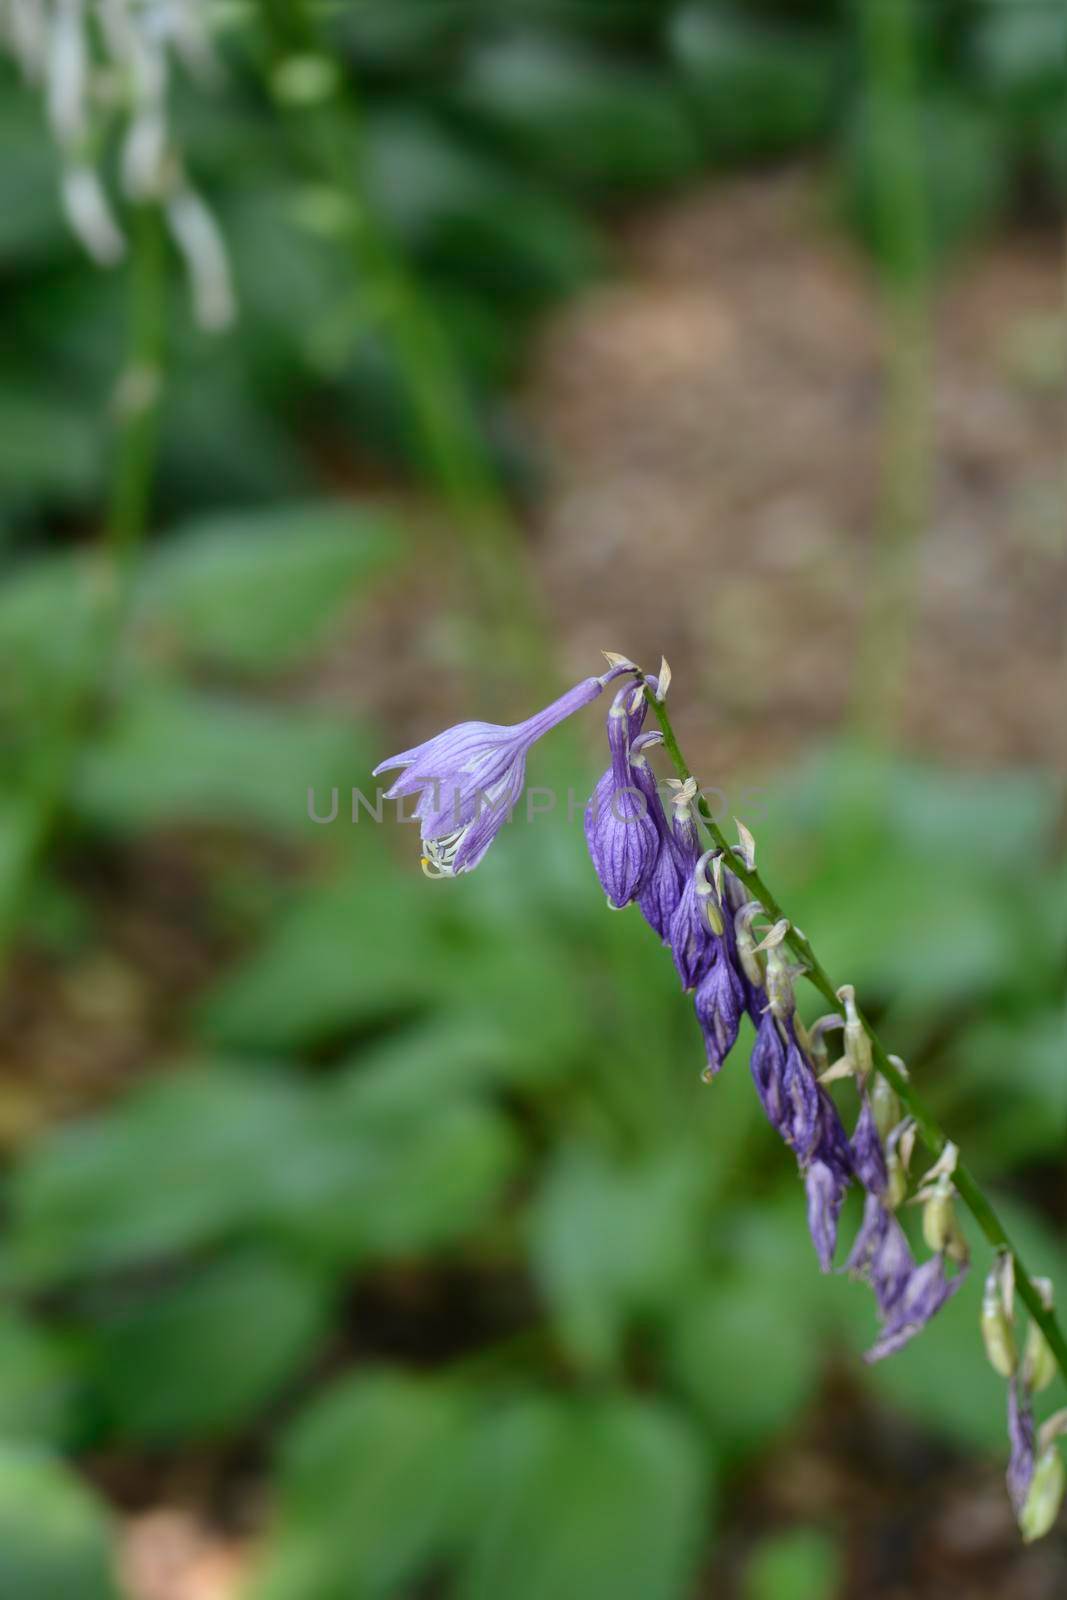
<point x="1023" y="1449"/>
<point x="695" y="925"/>
<point x="622" y="837"/>
<point x="868" y="1157"/>
<point x="881" y="1255"/>
<point x="684" y="828"/>
<point x="925" y="1291"/>
<point x="1037" y="1479"/>
<point x="720" y="1002"/>
<point x="827" y="1178"/>
<point x="768" y="1070"/>
<point x="662" y="889"/>
<point x="826" y="1195"/>
<point x="469" y="777"/>
<point x="804" y="1109"/>
<point x="805" y="1116"/>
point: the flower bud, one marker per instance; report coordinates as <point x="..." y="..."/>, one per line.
<point x="896" y="1189"/>
<point x="997" y="1335"/>
<point x="1045" y="1495"/>
<point x="751" y="965"/>
<point x="707" y="901"/>
<point x="780" y="973"/>
<point x="941" y="1228"/>
<point x="1039" y="1364"/>
<point x="815" y="1042"/>
<point x="898" y="1152"/>
<point x="857" y="1040"/>
<point x="885" y="1102"/>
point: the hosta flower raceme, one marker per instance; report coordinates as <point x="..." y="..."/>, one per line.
<point x="712" y="909"/>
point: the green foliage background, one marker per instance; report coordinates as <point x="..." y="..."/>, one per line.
<point x="422" y="1204"/>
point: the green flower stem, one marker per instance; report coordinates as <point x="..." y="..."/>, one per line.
<point x="933" y="1135"/>
<point x="889" y="54"/>
<point x="445" y="432"/>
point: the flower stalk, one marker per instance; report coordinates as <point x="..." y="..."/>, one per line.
<point x="929" y="1129"/>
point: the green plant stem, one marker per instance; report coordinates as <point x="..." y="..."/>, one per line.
<point x="137" y="407"/>
<point x="902" y="223"/>
<point x="933" y="1135"/>
<point x="139" y="393"/>
<point x="447" y="438"/>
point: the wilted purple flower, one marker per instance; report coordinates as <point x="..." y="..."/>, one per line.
<point x="925" y="1291"/>
<point x="804" y="1115"/>
<point x="469" y="777"/>
<point x="868" y="1157"/>
<point x="1021" y="1437"/>
<point x="908" y="1296"/>
<point x="622" y="837"/>
<point x="719" y="1001"/>
<point x="767" y="1064"/>
<point x="881" y="1255"/>
<point x="804" y="1110"/>
<point x="825" y="1194"/>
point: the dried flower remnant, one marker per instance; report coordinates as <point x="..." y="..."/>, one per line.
<point x="103" y="65"/>
<point x="733" y="958"/>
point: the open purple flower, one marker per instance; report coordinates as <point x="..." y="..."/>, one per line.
<point x="469" y="777"/>
<point x="621" y="834"/>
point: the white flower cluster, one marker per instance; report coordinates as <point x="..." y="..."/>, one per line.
<point x="102" y="63"/>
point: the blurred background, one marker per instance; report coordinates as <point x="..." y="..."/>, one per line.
<point x="370" y="1238"/>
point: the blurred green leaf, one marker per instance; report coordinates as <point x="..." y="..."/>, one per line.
<point x="582" y="117"/>
<point x="203" y="1356"/>
<point x="756" y="88"/>
<point x="31" y="221"/>
<point x="343" y="953"/>
<point x="255" y="591"/>
<point x="211" y="1153"/>
<point x="175" y="1165"/>
<point x="172" y="754"/>
<point x="587" y="1497"/>
<point x="38" y="1379"/>
<point x="747" y="1344"/>
<point x="609" y="1241"/>
<point x="54" y="1540"/>
<point x="803" y="1564"/>
<point x="47" y="612"/>
<point x="367" y="1489"/>
<point x="471" y="217"/>
<point x="384" y="1188"/>
<point x="50" y="447"/>
<point x="1020" y="50"/>
<point x="425" y="1065"/>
